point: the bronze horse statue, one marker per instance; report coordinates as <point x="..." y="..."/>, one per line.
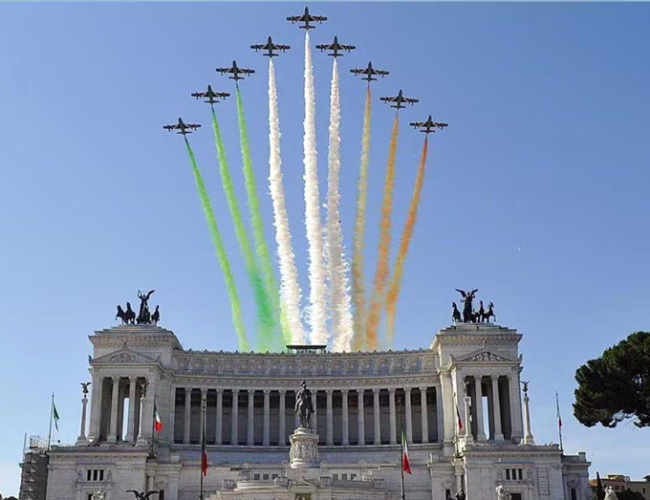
<point x="468" y="297"/>
<point x="303" y="407"/>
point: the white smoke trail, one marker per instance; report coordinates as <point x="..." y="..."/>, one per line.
<point x="317" y="293"/>
<point x="290" y="289"/>
<point x="339" y="293"/>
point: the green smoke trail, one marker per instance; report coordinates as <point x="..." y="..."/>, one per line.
<point x="235" y="304"/>
<point x="262" y="301"/>
<point x="261" y="248"/>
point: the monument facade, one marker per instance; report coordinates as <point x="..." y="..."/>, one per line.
<point x="459" y="402"/>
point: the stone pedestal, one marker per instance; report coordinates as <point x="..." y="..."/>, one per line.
<point x="304" y="449"/>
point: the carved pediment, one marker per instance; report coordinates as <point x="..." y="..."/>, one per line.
<point x="482" y="355"/>
<point x="124" y="356"/>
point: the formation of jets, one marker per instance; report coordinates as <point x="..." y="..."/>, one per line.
<point x="183" y="128"/>
<point x="336" y="50"/>
<point x="269" y="47"/>
<point x="399" y="100"/>
<point x="235" y="71"/>
<point x="211" y="96"/>
<point x="429" y="126"/>
<point x="306" y="18"/>
<point x="335" y="47"/>
<point x="369" y="72"/>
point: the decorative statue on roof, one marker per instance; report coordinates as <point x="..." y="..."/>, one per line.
<point x="304" y="408"/>
<point x="144" y="317"/>
<point x="468" y="297"/>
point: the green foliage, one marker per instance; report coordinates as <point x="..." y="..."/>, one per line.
<point x="647" y="478"/>
<point x="616" y="386"/>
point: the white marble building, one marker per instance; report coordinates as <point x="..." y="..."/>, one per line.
<point x="361" y="400"/>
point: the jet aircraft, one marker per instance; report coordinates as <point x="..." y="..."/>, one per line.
<point x="429" y="126"/>
<point x="306" y="18"/>
<point x="211" y="96"/>
<point x="399" y="100"/>
<point x="369" y="72"/>
<point x="236" y="71"/>
<point x="183" y="128"/>
<point x="335" y="47"/>
<point x="269" y="47"/>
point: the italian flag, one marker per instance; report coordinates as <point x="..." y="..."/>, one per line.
<point x="55" y="415"/>
<point x="460" y="422"/>
<point x="157" y="423"/>
<point x="406" y="464"/>
<point x="204" y="457"/>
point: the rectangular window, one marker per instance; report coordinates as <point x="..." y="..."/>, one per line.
<point x="265" y="477"/>
<point x="574" y="494"/>
<point x="353" y="477"/>
<point x="161" y="495"/>
<point x="344" y="477"/>
<point x="256" y="477"/>
<point x="447" y="494"/>
<point x="274" y="476"/>
<point x="335" y="476"/>
<point x="508" y="474"/>
<point x="101" y="474"/>
<point x="521" y="474"/>
<point x="89" y="475"/>
<point x="95" y="474"/>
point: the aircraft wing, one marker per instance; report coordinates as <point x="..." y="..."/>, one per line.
<point x="359" y="71"/>
<point x="347" y="47"/>
<point x="224" y="70"/>
<point x="324" y="46"/>
<point x="294" y="19"/>
<point x="193" y="126"/>
<point x="381" y="72"/>
<point x="388" y="99"/>
<point x="169" y="127"/>
<point x="198" y="95"/>
<point x="318" y="19"/>
<point x="257" y="46"/>
<point x="282" y="47"/>
<point x="411" y="100"/>
<point x="417" y="124"/>
<point x="246" y="71"/>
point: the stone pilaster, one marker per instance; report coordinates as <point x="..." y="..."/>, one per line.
<point x="346" y="422"/>
<point x="282" y="430"/>
<point x="496" y="406"/>
<point x="95" y="407"/>
<point x="329" y="418"/>
<point x="409" y="415"/>
<point x="234" y="417"/>
<point x="219" y="430"/>
<point x="81" y="440"/>
<point x="130" y="431"/>
<point x="250" y="435"/>
<point x="112" y="437"/>
<point x="424" y="414"/>
<point x="468" y="423"/>
<point x="480" y="425"/>
<point x="188" y="415"/>
<point x="361" y="422"/>
<point x="377" y="416"/>
<point x="393" y="416"/>
<point x="313" y="421"/>
<point x="266" y="438"/>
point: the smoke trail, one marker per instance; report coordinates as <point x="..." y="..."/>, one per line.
<point x="381" y="274"/>
<point x="358" y="278"/>
<point x="339" y="296"/>
<point x="235" y="305"/>
<point x="261" y="248"/>
<point x="396" y="281"/>
<point x="290" y="289"/>
<point x="317" y="293"/>
<point x="262" y="301"/>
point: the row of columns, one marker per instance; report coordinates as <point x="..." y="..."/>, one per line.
<point x="329" y="416"/>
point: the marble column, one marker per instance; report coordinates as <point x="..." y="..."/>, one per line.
<point x="393" y="416"/>
<point x="480" y="426"/>
<point x="346" y="423"/>
<point x="441" y="421"/>
<point x="95" y="407"/>
<point x="468" y="423"/>
<point x="313" y="421"/>
<point x="81" y="440"/>
<point x="250" y="435"/>
<point x="496" y="407"/>
<point x="361" y="422"/>
<point x="377" y="415"/>
<point x="219" y="430"/>
<point x="266" y="439"/>
<point x="204" y="405"/>
<point x="515" y="407"/>
<point x="234" y="417"/>
<point x="112" y="437"/>
<point x="282" y="430"/>
<point x="424" y="414"/>
<point x="188" y="415"/>
<point x="142" y="435"/>
<point x="330" y="419"/>
<point x="446" y="401"/>
<point x="409" y="415"/>
<point x="130" y="431"/>
<point x="171" y="428"/>
<point x="528" y="435"/>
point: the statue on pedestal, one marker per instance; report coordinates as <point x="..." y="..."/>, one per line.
<point x="502" y="494"/>
<point x="610" y="494"/>
<point x="144" y="317"/>
<point x="304" y="408"/>
<point x="468" y="297"/>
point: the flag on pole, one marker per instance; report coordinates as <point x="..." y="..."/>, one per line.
<point x="55" y="415"/>
<point x="460" y="422"/>
<point x="559" y="417"/>
<point x="157" y="423"/>
<point x="406" y="464"/>
<point x="204" y="457"/>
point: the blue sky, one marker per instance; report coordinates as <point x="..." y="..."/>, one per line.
<point x="536" y="194"/>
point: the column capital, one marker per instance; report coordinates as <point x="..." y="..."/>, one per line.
<point x="391" y="390"/>
<point x="235" y="391"/>
<point x="361" y="391"/>
<point x="133" y="378"/>
<point x="423" y="389"/>
<point x="266" y="392"/>
<point x="375" y="390"/>
<point x="219" y="391"/>
<point x="407" y="390"/>
<point x="329" y="392"/>
<point x="116" y="378"/>
<point x="345" y="391"/>
<point x="251" y="392"/>
<point x="204" y="392"/>
<point x="282" y="391"/>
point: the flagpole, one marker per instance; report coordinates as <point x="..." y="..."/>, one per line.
<point x="49" y="434"/>
<point x="559" y="424"/>
<point x="401" y="455"/>
<point x="153" y="424"/>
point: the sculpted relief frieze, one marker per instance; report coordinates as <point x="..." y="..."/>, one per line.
<point x="362" y="364"/>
